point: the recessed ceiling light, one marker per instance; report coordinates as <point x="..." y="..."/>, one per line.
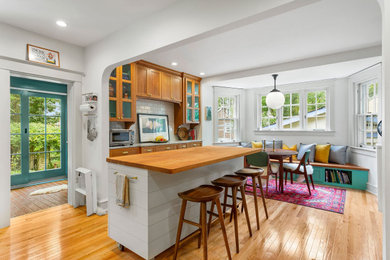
<point x="174" y="63"/>
<point x="202" y="73"/>
<point x="61" y="23"/>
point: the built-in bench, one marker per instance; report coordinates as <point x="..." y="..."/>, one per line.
<point x="340" y="175"/>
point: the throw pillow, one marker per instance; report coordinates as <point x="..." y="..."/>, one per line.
<point x="338" y="154"/>
<point x="278" y="144"/>
<point x="292" y="148"/>
<point x="303" y="148"/>
<point x="322" y="153"/>
<point x="257" y="145"/>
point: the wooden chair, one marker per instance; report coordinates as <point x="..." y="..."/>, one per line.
<point x="202" y="195"/>
<point x="303" y="168"/>
<point x="261" y="160"/>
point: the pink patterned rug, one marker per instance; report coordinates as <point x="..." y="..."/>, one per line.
<point x="325" y="198"/>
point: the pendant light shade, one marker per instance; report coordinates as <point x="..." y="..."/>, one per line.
<point x="275" y="99"/>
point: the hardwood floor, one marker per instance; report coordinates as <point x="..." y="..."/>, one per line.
<point x="22" y="203"/>
<point x="291" y="232"/>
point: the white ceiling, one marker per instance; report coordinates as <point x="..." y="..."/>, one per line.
<point x="331" y="71"/>
<point x="88" y="20"/>
<point x="325" y="27"/>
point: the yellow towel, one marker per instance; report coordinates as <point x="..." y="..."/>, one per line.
<point x="122" y="190"/>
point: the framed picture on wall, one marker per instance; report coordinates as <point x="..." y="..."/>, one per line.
<point x="151" y="126"/>
<point x="43" y="55"/>
<point x="208" y="113"/>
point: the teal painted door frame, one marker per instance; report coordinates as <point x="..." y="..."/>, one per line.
<point x="26" y="176"/>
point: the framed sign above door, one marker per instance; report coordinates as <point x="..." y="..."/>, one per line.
<point x="43" y="55"/>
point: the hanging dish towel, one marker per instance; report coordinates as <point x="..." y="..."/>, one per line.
<point x="122" y="190"/>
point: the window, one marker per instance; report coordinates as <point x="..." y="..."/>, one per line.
<point x="291" y="112"/>
<point x="268" y="116"/>
<point x="367" y="113"/>
<point x="316" y="110"/>
<point x="227" y="119"/>
<point x="292" y="115"/>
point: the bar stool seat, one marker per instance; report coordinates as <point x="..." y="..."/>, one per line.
<point x="234" y="182"/>
<point x="201" y="194"/>
<point x="255" y="173"/>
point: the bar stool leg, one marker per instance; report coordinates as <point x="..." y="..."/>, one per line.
<point x="255" y="199"/>
<point x="225" y="200"/>
<point x="200" y="230"/>
<point x="234" y="212"/>
<point x="210" y="217"/>
<point x="222" y="223"/>
<point x="262" y="197"/>
<point x="204" y="233"/>
<point x="179" y="228"/>
<point x="245" y="206"/>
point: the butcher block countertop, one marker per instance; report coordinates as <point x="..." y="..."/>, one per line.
<point x="179" y="160"/>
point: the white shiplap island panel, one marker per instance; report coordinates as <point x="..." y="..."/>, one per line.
<point x="149" y="225"/>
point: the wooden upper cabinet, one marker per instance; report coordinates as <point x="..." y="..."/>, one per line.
<point x="141" y="79"/>
<point x="177" y="88"/>
<point x="153" y="83"/>
<point x="166" y="85"/>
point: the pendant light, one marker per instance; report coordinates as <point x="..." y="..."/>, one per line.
<point x="275" y="99"/>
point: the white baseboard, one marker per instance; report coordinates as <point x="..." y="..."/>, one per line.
<point x="372" y="189"/>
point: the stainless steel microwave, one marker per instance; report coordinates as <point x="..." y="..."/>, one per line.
<point x="121" y="137"/>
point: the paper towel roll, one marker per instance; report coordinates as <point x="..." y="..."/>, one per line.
<point x="87" y="107"/>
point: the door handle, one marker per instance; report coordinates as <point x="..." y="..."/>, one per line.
<point x="25" y="130"/>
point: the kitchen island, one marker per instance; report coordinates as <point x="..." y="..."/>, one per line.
<point x="149" y="225"/>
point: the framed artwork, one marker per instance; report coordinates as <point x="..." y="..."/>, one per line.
<point x="208" y="113"/>
<point x="151" y="126"/>
<point x="43" y="55"/>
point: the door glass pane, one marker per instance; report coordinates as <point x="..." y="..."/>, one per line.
<point x="112" y="108"/>
<point x="37" y="106"/>
<point x="196" y="104"/>
<point x="189" y="114"/>
<point x="196" y="115"/>
<point x="189" y="87"/>
<point x="53" y="124"/>
<point x="126" y="72"/>
<point x="196" y="89"/>
<point x="112" y="88"/>
<point x="53" y="107"/>
<point x="15" y="104"/>
<point x="113" y="73"/>
<point x="37" y="125"/>
<point x="53" y="160"/>
<point x="15" y="124"/>
<point x="16" y="144"/>
<point x="37" y="143"/>
<point x="16" y="166"/>
<point x="126" y="108"/>
<point x="126" y="90"/>
<point x="189" y="101"/>
<point x="53" y="142"/>
<point x="37" y="162"/>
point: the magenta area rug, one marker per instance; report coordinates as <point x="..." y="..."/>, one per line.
<point x="325" y="198"/>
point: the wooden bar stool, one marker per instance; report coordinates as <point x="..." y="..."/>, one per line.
<point x="201" y="194"/>
<point x="234" y="182"/>
<point x="255" y="174"/>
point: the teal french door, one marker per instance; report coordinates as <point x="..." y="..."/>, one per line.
<point x="38" y="135"/>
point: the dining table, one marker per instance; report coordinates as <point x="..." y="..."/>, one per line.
<point x="279" y="155"/>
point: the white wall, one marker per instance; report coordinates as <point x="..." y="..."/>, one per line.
<point x="13" y="42"/>
<point x="5" y="175"/>
<point x="155" y="32"/>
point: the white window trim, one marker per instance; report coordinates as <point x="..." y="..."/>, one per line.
<point x="236" y="119"/>
<point x="303" y="91"/>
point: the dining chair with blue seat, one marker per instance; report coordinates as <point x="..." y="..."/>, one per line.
<point x="303" y="168"/>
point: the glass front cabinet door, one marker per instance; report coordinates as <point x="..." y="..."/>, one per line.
<point x="192" y="101"/>
<point x="122" y="94"/>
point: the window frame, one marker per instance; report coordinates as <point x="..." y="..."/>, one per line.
<point x="236" y="119"/>
<point x="303" y="93"/>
